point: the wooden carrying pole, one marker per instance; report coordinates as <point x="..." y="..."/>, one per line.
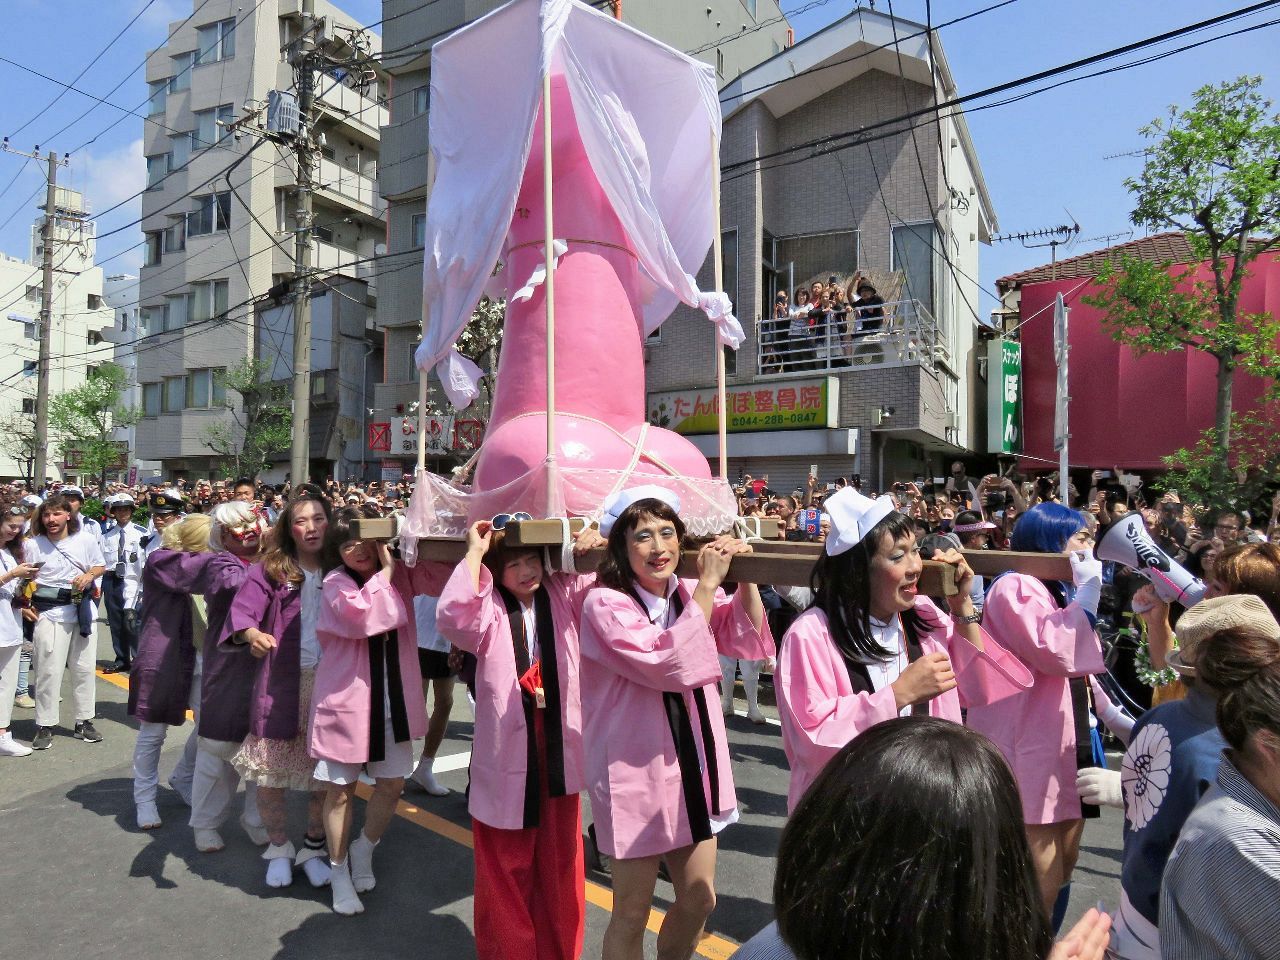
<point x="717" y="261"/>
<point x="423" y="375"/>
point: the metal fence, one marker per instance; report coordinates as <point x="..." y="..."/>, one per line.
<point x="893" y="334"/>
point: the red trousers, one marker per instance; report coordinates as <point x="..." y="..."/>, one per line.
<point x="530" y="899"/>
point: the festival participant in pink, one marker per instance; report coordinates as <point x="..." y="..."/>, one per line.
<point x="367" y="710"/>
<point x="657" y="757"/>
<point x="1044" y="731"/>
<point x="870" y="649"/>
<point x="526" y="764"/>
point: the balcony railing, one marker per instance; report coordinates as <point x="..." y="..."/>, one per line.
<point x="906" y="333"/>
<point x="354" y="106"/>
<point x="350" y="185"/>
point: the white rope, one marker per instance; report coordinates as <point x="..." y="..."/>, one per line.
<point x="567" y="562"/>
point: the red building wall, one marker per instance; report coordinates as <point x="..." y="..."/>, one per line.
<point x="1125" y="410"/>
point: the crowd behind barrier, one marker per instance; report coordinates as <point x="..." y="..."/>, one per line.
<point x="280" y="614"/>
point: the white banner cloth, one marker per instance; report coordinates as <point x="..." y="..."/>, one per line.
<point x="649" y="117"/>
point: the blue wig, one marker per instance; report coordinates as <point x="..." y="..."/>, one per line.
<point x="1046" y="528"/>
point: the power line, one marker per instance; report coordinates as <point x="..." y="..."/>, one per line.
<point x="747" y="31"/>
<point x="827" y="140"/>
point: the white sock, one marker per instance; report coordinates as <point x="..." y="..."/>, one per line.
<point x="425" y="777"/>
<point x="280" y="872"/>
<point x="345" y="900"/>
<point x="148" y="816"/>
<point x="360" y="857"/>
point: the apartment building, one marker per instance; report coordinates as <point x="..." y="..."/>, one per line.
<point x="81" y="320"/>
<point x="219" y="228"/>
<point x="734" y="35"/>
<point x="890" y="397"/>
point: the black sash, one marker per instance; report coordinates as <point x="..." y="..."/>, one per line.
<point x="860" y="677"/>
<point x="1081" y="705"/>
<point x="673" y="705"/>
<point x="552" y="719"/>
<point x="384" y="671"/>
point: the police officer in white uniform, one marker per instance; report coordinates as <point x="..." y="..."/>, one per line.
<point x="166" y="507"/>
<point x="122" y="583"/>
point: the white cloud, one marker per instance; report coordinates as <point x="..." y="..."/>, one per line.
<point x="161" y="13"/>
<point x="106" y="178"/>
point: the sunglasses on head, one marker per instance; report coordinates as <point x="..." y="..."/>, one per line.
<point x="501" y="520"/>
<point x="17" y="510"/>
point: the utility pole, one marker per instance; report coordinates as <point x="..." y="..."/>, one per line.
<point x="46" y="324"/>
<point x="305" y="63"/>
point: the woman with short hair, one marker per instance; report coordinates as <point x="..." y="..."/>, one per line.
<point x="14" y="572"/>
<point x="657" y="759"/>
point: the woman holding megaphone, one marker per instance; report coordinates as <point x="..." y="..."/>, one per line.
<point x="1044" y="732"/>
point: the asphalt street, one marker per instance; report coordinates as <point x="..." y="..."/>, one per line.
<point x="82" y="882"/>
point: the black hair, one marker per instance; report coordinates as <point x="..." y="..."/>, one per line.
<point x="916" y="818"/>
<point x="339" y="532"/>
<point x="615" y="569"/>
<point x="842" y="590"/>
<point x="243" y="482"/>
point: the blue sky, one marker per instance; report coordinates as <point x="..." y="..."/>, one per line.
<point x="1041" y="157"/>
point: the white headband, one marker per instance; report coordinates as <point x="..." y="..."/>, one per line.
<point x="619" y="502"/>
<point x="852" y="517"/>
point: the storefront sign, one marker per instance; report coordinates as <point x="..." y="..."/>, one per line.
<point x="1004" y="396"/>
<point x="404" y="436"/>
<point x="776" y="405"/>
<point x="391" y="472"/>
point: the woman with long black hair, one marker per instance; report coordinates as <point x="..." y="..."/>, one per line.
<point x="870" y="648"/>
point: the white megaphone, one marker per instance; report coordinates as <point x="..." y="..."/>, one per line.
<point x="1126" y="541"/>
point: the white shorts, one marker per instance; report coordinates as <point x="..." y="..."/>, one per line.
<point x="398" y="761"/>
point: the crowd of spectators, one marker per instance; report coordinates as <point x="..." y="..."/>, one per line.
<point x="820" y="326"/>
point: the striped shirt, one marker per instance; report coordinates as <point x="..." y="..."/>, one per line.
<point x="1221" y="893"/>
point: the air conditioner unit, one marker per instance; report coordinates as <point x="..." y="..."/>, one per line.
<point x="953" y="421"/>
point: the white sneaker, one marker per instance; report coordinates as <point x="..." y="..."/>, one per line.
<point x="10" y="747"/>
<point x="424" y="777"/>
<point x="345" y="900"/>
<point x="148" y="816"/>
<point x="208" y="841"/>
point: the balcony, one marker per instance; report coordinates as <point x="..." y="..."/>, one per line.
<point x="355" y="188"/>
<point x="348" y="105"/>
<point x="330" y="258"/>
<point x="906" y="335"/>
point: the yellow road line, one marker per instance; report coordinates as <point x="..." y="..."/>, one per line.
<point x="711" y="946"/>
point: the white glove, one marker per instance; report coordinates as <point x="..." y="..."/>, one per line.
<point x="1100" y="786"/>
<point x="1086" y="572"/>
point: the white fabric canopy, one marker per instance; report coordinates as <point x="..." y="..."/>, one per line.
<point x="649" y="118"/>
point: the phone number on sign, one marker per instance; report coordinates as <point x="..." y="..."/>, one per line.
<point x="775" y="419"/>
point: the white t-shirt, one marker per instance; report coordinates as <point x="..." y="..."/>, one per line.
<point x="311" y="597"/>
<point x="10" y="618"/>
<point x="63" y="562"/>
<point x="424" y="613"/>
<point x="883" y="673"/>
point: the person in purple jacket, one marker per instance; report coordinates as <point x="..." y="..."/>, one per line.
<point x="165" y="678"/>
<point x="227" y="678"/>
<point x="274" y="617"/>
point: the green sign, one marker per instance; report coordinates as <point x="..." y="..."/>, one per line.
<point x="768" y="405"/>
<point x="1004" y="396"/>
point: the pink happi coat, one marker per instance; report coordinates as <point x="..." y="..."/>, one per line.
<point x="633" y="773"/>
<point x="476" y="621"/>
<point x="821" y="712"/>
<point x="349" y="615"/>
<point x="1035" y="730"/>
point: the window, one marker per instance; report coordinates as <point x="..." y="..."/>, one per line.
<point x="28" y="405"/>
<point x="154" y="242"/>
<point x="175" y="394"/>
<point x="719" y="62"/>
<point x="207" y="131"/>
<point x="151" y="399"/>
<point x="421" y="100"/>
<point x="94" y="338"/>
<point x="751" y="7"/>
<point x="212" y="212"/>
<point x="177" y="311"/>
<point x="28" y="368"/>
<point x="418" y="230"/>
<point x="180" y="150"/>
<point x="208" y="300"/>
<point x="91" y="371"/>
<point x="157" y="169"/>
<point x="219" y="377"/>
<point x="153" y="320"/>
<point x="318" y="384"/>
<point x="215" y="42"/>
<point x="157" y="101"/>
<point x="93" y="302"/>
<point x="181" y="79"/>
<point x="913" y="253"/>
<point x="33" y="292"/>
<point x="198" y="388"/>
<point x="175" y="237"/>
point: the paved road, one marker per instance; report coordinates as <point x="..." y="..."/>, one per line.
<point x="81" y="882"/>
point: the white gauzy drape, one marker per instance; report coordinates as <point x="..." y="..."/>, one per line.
<point x="649" y="118"/>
